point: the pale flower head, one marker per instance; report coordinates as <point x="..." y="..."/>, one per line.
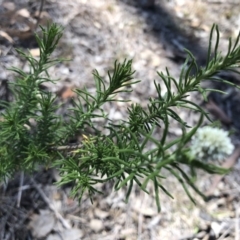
<point x="211" y="144"/>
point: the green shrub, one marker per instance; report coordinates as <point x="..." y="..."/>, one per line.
<point x="31" y="133"/>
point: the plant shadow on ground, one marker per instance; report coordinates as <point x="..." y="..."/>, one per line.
<point x="171" y="31"/>
<point x="174" y="34"/>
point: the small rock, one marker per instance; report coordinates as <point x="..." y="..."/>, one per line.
<point x="96" y="225"/>
<point x="53" y="237"/>
<point x="216" y="227"/>
<point x="73" y="234"/>
<point x="42" y="224"/>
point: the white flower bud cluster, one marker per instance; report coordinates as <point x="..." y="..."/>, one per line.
<point x="211" y="144"/>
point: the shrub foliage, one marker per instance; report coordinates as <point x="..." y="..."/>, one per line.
<point x="31" y="133"/>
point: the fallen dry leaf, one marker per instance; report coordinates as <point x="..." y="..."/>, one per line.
<point x="21" y="34"/>
<point x="66" y="92"/>
<point x="127" y="232"/>
<point x="101" y="214"/>
<point x="23" y="13"/>
<point x="6" y="36"/>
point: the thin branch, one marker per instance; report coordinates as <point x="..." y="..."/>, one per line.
<point x="39" y="14"/>
<point x="65" y="148"/>
<point x="229" y="163"/>
<point x="20" y="189"/>
<point x="50" y="205"/>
